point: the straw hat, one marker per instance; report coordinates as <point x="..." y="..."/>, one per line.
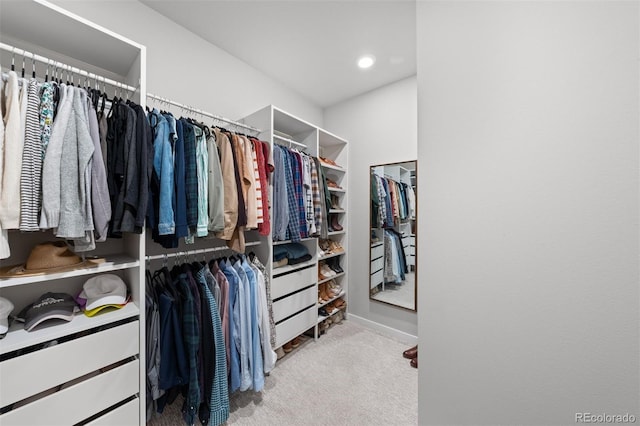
<point x="49" y="257"/>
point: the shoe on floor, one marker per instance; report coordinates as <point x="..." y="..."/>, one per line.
<point x="295" y="342"/>
<point x="411" y="353"/>
<point x="280" y="353"/>
<point x="287" y="347"/>
<point x="414" y="362"/>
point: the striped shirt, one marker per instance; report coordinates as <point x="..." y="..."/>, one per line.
<point x="31" y="173"/>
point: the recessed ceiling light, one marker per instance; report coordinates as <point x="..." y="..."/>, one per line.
<point x="366" y="61"/>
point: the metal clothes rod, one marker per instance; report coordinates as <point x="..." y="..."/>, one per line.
<point x="195" y="252"/>
<point x="290" y="141"/>
<point x="69" y="68"/>
<point x="204" y="113"/>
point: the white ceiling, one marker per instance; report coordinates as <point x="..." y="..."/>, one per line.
<point x="310" y="46"/>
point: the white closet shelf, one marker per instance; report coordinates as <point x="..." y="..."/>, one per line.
<point x="18" y="337"/>
<point x="113" y="262"/>
<point x="329" y="256"/>
<point x="275" y="243"/>
<point x="336" y="189"/>
<point x="322" y="318"/>
<point x="336" y="232"/>
<point x="290" y="268"/>
<point x="337" y="211"/>
<point x="332" y="167"/>
<point x="341" y="274"/>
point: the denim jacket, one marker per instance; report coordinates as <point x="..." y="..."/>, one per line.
<point x="163" y="166"/>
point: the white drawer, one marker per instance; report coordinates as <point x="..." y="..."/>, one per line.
<point x="377" y="265"/>
<point x="295" y="325"/>
<point x="61" y="363"/>
<point x="126" y="415"/>
<point x="377" y="251"/>
<point x="376" y="279"/>
<point x="80" y="401"/>
<point x="291" y="304"/>
<point x="285" y="284"/>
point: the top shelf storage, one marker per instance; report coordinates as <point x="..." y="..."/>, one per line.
<point x="64" y="36"/>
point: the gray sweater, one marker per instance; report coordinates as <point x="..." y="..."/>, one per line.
<point x="77" y="151"/>
<point x="50" y="215"/>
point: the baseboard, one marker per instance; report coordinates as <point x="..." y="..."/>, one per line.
<point x="401" y="336"/>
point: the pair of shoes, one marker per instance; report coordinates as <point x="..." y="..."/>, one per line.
<point x="324" y="246"/>
<point x="280" y="353"/>
<point x="325" y="270"/>
<point x="323" y="296"/>
<point x="332" y="288"/>
<point x="296" y="342"/>
<point x="323" y="312"/>
<point x="340" y="304"/>
<point x="335" y="202"/>
<point x="411" y="352"/>
<point x="287" y="347"/>
<point x="334" y="225"/>
<point x="328" y="161"/>
<point x="332" y="184"/>
<point x="335" y="247"/>
<point x="334" y="264"/>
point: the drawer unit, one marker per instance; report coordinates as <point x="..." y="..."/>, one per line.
<point x="293" y="303"/>
<point x="376" y="279"/>
<point x="377" y="251"/>
<point x="292" y="281"/>
<point x="295" y="325"/>
<point x="377" y="265"/>
<point x="61" y="363"/>
<point x="87" y="398"/>
<point x="125" y="415"/>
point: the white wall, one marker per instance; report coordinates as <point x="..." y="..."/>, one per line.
<point x="184" y="67"/>
<point x="381" y="127"/>
<point x="528" y="169"/>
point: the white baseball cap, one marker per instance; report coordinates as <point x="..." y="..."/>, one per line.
<point x="102" y="291"/>
<point x="5" y="309"/>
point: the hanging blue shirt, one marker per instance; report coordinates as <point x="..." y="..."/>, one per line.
<point x="257" y="369"/>
<point x="234" y="324"/>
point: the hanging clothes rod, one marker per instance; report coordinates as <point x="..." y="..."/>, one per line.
<point x="195" y="252"/>
<point x="290" y="141"/>
<point x="63" y="66"/>
<point x="204" y="113"/>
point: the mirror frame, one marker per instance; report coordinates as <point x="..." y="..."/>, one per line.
<point x="415" y="288"/>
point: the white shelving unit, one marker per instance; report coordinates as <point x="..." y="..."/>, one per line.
<point x="88" y="369"/>
<point x="294" y="288"/>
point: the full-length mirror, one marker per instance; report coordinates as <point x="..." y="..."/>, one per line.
<point x="392" y="266"/>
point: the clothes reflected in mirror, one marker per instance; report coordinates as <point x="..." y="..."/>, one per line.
<point x="393" y="266"/>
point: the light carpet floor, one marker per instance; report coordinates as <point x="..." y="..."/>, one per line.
<point x="350" y="376"/>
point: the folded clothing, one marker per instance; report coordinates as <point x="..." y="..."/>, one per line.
<point x="290" y="251"/>
<point x="300" y="259"/>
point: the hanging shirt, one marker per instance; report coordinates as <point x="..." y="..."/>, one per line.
<point x="244" y="300"/>
<point x="215" y="184"/>
<point x="280" y="196"/>
<point x="230" y="190"/>
<point x="269" y="356"/>
<point x="12" y="155"/>
<point x="255" y="359"/>
<point x="31" y="170"/>
<point x="202" y="158"/>
<point x="234" y="324"/>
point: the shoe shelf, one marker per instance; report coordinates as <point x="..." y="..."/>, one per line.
<point x="324" y="280"/>
<point x="332" y="167"/>
<point x="275" y="243"/>
<point x="336" y="232"/>
<point x="322" y="317"/>
<point x="329" y="256"/>
<point x="337" y="211"/>
<point x="113" y="262"/>
<point x="342" y="293"/>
